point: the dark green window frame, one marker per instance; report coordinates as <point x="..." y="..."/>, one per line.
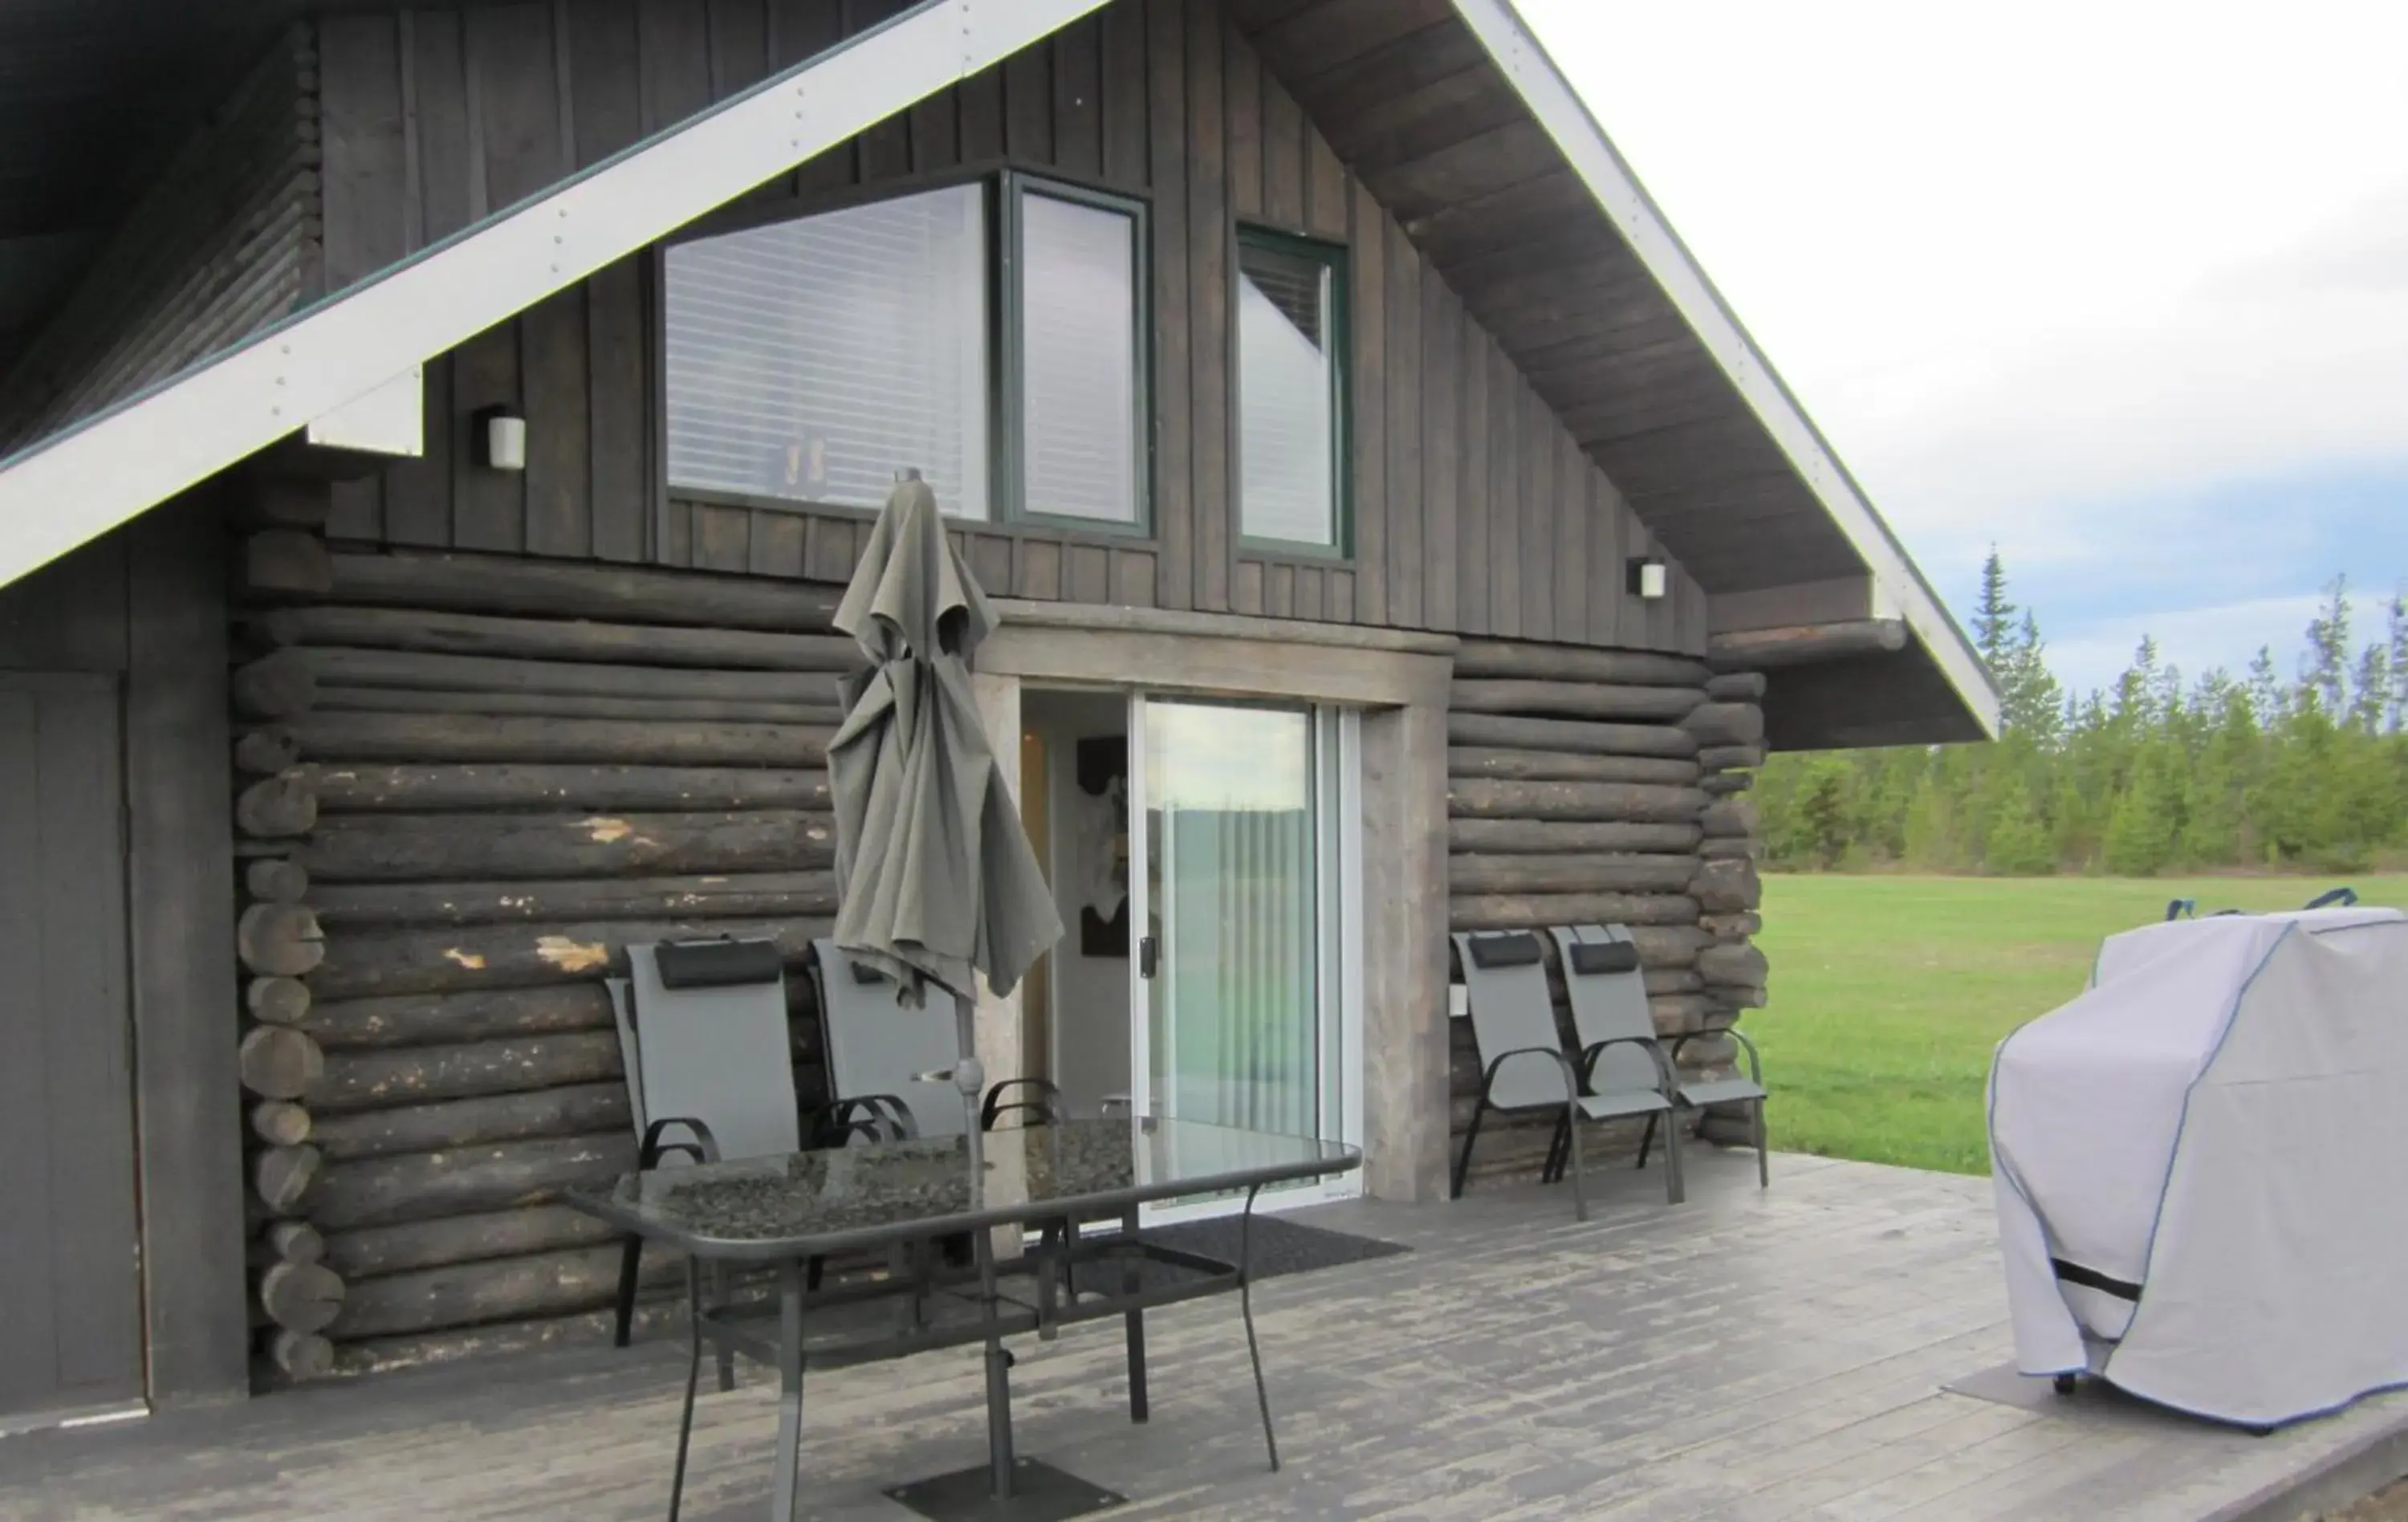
<point x="1335" y="259"/>
<point x="1005" y="191"/>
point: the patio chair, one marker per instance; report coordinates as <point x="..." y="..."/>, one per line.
<point x="1524" y="1064"/>
<point x="710" y="1065"/>
<point x="1608" y="998"/>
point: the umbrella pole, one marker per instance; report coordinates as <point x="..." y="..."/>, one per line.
<point x="970" y="1077"/>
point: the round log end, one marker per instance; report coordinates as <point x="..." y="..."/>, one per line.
<point x="278" y="1062"/>
<point x="264" y="753"/>
<point x="277" y="1001"/>
<point x="283" y="1174"/>
<point x="295" y="1241"/>
<point x="301" y="1296"/>
<point x="280" y="941"/>
<point x="301" y="1356"/>
<point x="276" y="880"/>
<point x="277" y="807"/>
<point x="279" y="1123"/>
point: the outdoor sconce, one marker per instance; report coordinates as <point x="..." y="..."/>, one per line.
<point x="1646" y="579"/>
<point x="501" y="439"/>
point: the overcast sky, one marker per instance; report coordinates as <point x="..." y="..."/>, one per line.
<point x="2122" y="287"/>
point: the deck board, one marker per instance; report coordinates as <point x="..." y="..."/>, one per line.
<point x="1749" y="1357"/>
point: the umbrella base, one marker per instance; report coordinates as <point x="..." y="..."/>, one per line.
<point x="1040" y="1493"/>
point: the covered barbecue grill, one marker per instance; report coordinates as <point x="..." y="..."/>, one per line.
<point x="2202" y="1166"/>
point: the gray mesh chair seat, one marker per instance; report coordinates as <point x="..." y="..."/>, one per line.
<point x="1524" y="1064"/>
<point x="1609" y="999"/>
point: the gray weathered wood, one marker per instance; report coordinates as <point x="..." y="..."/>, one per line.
<point x="1573" y="735"/>
<point x="1527" y="660"/>
<point x="280" y="1063"/>
<point x="489" y="636"/>
<point x="440" y="787"/>
<point x="266" y="751"/>
<point x="1729" y="819"/>
<point x="407" y="848"/>
<point x="301" y="1296"/>
<point x="1730" y="757"/>
<point x="1736" y="687"/>
<point x="462" y="1239"/>
<point x="824" y="715"/>
<point x="382" y="1078"/>
<point x="1725" y="723"/>
<point x="487" y="584"/>
<point x="421" y="738"/>
<point x="745" y="896"/>
<point x="1725" y="966"/>
<point x="273" y="686"/>
<point x="1568" y="873"/>
<point x="1725" y="783"/>
<point x="1806" y="643"/>
<point x="276" y="880"/>
<point x="1571" y="699"/>
<point x="1631" y="802"/>
<point x="519" y="956"/>
<point x="573" y="1110"/>
<point x="300" y="1356"/>
<point x="1567" y="767"/>
<point x="1727" y="848"/>
<point x="278" y="940"/>
<point x="544" y="1283"/>
<point x="295" y="1241"/>
<point x="429" y="1185"/>
<point x="277" y="1001"/>
<point x="285" y="563"/>
<point x="1726" y="886"/>
<point x="433" y="1019"/>
<point x="279" y="1123"/>
<point x="276" y="807"/>
<point x="281" y="1174"/>
<point x="1525" y="837"/>
<point x="427" y="672"/>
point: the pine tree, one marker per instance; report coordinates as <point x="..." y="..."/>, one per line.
<point x="2324" y="670"/>
<point x="2396" y="621"/>
<point x="1994" y="617"/>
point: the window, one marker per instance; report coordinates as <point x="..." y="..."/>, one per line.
<point x="1291" y="392"/>
<point x="1079" y="398"/>
<point x="809" y="360"/>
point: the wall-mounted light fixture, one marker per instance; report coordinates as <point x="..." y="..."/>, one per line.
<point x="501" y="439"/>
<point x="1646" y="579"/>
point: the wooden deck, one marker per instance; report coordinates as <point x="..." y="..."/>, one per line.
<point x="1747" y="1357"/>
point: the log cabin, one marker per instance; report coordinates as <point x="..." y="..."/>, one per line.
<point x="433" y="438"/>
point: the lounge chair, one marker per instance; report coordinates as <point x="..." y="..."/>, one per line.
<point x="1608" y="998"/>
<point x="1524" y="1067"/>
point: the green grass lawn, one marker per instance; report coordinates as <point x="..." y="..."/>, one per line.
<point x="1889" y="993"/>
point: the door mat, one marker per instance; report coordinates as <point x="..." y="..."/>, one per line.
<point x="1276" y="1247"/>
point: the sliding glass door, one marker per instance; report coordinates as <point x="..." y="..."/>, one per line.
<point x="1242" y="1008"/>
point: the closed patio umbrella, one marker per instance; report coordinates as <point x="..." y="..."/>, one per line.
<point x="935" y="876"/>
<point x="935" y="879"/>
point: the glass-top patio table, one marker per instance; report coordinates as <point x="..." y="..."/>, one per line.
<point x="793" y="1212"/>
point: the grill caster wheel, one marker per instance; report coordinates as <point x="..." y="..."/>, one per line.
<point x="2065" y="1384"/>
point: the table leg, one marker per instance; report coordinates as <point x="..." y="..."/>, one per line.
<point x="784" y="1500"/>
<point x="1246" y="1309"/>
<point x="1130" y="1270"/>
<point x="693" y="1379"/>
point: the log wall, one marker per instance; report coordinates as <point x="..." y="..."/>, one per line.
<point x="1599" y="787"/>
<point x="464" y="787"/>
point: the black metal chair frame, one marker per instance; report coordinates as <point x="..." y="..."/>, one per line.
<point x="1566" y="1121"/>
<point x="1667" y="1085"/>
<point x="1755" y="1106"/>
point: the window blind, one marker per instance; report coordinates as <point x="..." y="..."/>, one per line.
<point x="1077" y="360"/>
<point x="811" y="359"/>
<point x="1286" y="433"/>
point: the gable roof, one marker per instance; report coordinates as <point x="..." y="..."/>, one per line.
<point x="1459" y="122"/>
<point x="1449" y="112"/>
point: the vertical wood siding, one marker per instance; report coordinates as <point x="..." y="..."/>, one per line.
<point x="224" y="243"/>
<point x="1474" y="509"/>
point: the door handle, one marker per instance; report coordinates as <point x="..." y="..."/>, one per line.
<point x="1146" y="955"/>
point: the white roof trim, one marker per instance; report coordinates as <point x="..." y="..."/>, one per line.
<point x="1897" y="584"/>
<point x="76" y="485"/>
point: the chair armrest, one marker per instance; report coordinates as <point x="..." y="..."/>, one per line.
<point x="1654" y="1048"/>
<point x="1046" y="1102"/>
<point x="1572" y="1079"/>
<point x="1754" y="1062"/>
<point x="704" y="1148"/>
<point x="872" y="1117"/>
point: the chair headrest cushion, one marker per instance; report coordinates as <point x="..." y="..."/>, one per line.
<point x="717" y="964"/>
<point x="1511" y="948"/>
<point x="1594" y="956"/>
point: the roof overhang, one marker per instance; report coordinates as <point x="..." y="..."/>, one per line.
<point x="80" y="483"/>
<point x="1460" y="123"/>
